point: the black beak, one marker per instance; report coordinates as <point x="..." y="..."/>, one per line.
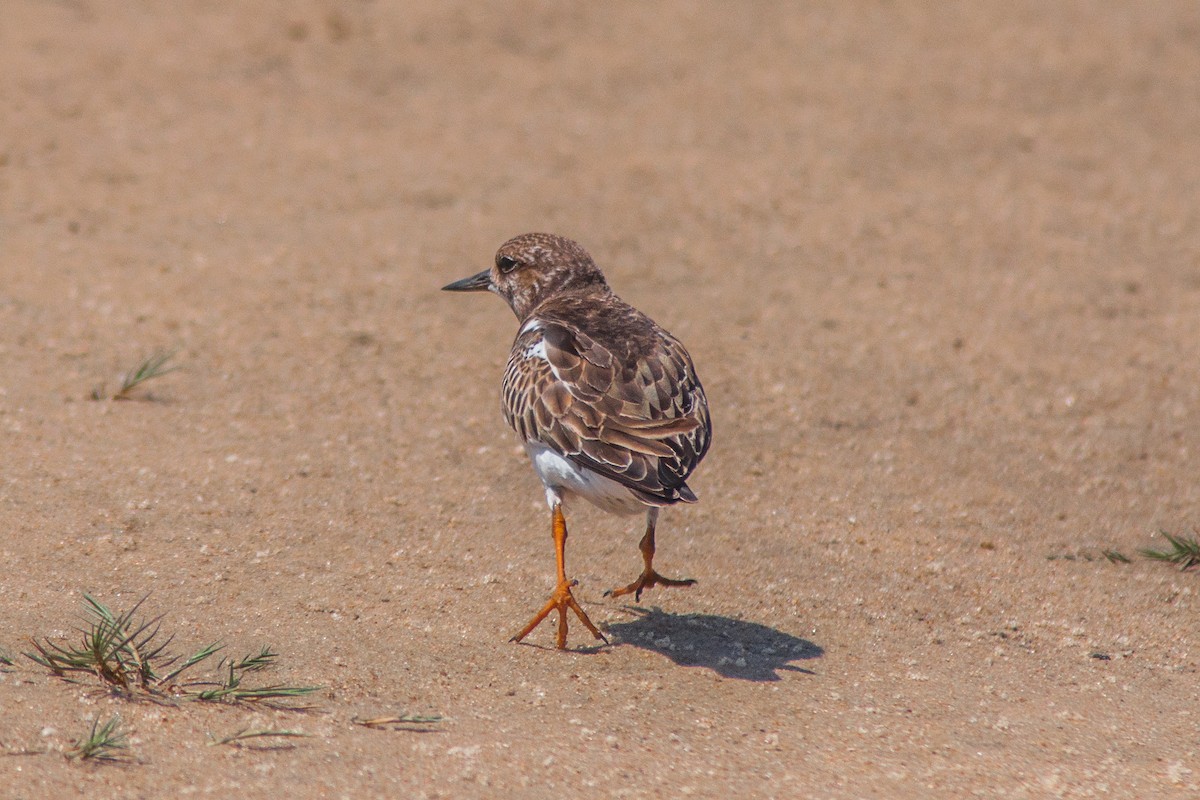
<point x="476" y="283"/>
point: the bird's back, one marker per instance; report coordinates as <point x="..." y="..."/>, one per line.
<point x="605" y="386"/>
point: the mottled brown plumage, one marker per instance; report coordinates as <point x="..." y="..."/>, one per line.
<point x="607" y="402"/>
<point x="623" y="400"/>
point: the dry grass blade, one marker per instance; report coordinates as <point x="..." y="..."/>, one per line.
<point x="106" y="743"/>
<point x="252" y="733"/>
<point x="26" y="752"/>
<point x="1184" y="551"/>
<point x="383" y="722"/>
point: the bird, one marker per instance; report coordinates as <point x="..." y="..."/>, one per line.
<point x="606" y="402"/>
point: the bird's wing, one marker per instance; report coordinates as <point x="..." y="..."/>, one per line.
<point x="644" y="424"/>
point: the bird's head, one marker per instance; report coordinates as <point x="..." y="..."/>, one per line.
<point x="533" y="267"/>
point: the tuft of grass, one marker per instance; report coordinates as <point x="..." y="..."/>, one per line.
<point x="1184" y="551"/>
<point x="127" y="655"/>
<point x="114" y="647"/>
<point x="155" y="366"/>
<point x="255" y="733"/>
<point x="106" y="743"/>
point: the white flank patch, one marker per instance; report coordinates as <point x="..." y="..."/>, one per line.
<point x="534" y="324"/>
<point x="563" y="479"/>
<point x="537" y="350"/>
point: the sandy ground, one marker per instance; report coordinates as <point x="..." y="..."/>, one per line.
<point x="937" y="264"/>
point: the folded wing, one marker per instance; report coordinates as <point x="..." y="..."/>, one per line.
<point x="642" y="422"/>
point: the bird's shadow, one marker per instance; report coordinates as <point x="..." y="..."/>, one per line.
<point x="732" y="648"/>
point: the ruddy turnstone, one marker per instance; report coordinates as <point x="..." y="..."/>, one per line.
<point x="606" y="402"/>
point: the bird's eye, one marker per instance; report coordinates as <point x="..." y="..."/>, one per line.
<point x="506" y="264"/>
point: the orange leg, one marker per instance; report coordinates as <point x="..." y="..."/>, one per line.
<point x="648" y="577"/>
<point x="561" y="599"/>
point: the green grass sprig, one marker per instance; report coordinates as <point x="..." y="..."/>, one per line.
<point x="106" y="743"/>
<point x="129" y="657"/>
<point x="155" y="366"/>
<point x="1184" y="551"/>
<point x="1108" y="554"/>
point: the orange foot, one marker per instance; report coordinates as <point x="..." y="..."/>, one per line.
<point x="647" y="579"/>
<point x="561" y="599"/>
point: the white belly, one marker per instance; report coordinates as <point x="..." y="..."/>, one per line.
<point x="563" y="480"/>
